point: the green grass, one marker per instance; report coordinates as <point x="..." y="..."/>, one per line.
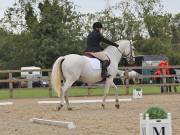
<point x="43" y="92"/>
<point x="24" y="93"/>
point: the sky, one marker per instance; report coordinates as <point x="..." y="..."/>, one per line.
<point x="171" y="6"/>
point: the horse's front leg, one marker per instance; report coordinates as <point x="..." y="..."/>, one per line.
<point x="66" y="86"/>
<point x="106" y="91"/>
<point x="116" y="96"/>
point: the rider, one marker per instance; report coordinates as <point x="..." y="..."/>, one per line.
<point x="94" y="48"/>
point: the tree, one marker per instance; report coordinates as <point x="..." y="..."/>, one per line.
<point x="115" y="27"/>
<point x="130" y="24"/>
<point x="30" y="17"/>
<point x="37" y="37"/>
<point x="151" y="46"/>
<point x="53" y="32"/>
<point x="15" y="51"/>
<point x="158" y="26"/>
<point x="175" y="27"/>
<point x="57" y="32"/>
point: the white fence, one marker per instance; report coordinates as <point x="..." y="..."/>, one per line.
<point x="164" y="83"/>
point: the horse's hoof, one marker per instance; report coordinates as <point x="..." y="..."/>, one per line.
<point x="103" y="106"/>
<point x="69" y="109"/>
<point x="59" y="107"/>
<point x="117" y="106"/>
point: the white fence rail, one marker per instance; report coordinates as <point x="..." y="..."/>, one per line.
<point x="11" y="79"/>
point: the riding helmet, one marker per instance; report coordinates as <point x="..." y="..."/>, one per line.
<point x="97" y="25"/>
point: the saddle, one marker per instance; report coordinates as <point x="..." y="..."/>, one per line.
<point x="94" y="62"/>
<point x="93" y="58"/>
<point x="97" y="63"/>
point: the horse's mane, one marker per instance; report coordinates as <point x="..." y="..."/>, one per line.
<point x="111" y="51"/>
<point x="119" y="42"/>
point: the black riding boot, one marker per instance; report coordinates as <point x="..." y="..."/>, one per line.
<point x="104" y="72"/>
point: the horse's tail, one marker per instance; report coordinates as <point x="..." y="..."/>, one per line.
<point x="56" y="75"/>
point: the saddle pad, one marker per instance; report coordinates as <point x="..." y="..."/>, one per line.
<point x="94" y="62"/>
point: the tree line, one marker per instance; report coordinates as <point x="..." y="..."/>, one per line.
<point x="37" y="33"/>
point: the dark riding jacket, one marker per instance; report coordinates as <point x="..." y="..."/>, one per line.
<point x="93" y="42"/>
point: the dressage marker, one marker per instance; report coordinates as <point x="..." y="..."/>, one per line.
<point x="69" y="125"/>
<point x="85" y="101"/>
<point x="137" y="93"/>
<point x="5" y="103"/>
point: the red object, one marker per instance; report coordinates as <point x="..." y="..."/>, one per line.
<point x="156" y="73"/>
<point x="162" y="64"/>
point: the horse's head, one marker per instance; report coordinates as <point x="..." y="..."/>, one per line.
<point x="127" y="50"/>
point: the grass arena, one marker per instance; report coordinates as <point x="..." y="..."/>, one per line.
<point x="89" y="118"/>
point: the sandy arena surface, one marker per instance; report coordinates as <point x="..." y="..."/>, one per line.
<point x="89" y="119"/>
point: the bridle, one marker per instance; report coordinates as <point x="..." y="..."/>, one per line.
<point x="129" y="57"/>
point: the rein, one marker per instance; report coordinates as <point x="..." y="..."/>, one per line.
<point x="130" y="53"/>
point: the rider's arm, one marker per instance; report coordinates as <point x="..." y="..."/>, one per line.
<point x="108" y="41"/>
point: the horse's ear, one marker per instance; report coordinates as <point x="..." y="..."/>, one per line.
<point x="133" y="42"/>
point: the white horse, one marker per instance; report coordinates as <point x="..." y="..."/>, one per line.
<point x="135" y="76"/>
<point x="73" y="67"/>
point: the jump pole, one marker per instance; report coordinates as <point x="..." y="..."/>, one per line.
<point x="69" y="125"/>
<point x="5" y="103"/>
<point x="85" y="101"/>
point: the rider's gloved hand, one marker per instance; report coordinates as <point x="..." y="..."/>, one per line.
<point x="116" y="45"/>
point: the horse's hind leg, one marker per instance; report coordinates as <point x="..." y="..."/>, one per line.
<point x="64" y="94"/>
<point x="67" y="101"/>
<point x="65" y="88"/>
<point x="62" y="101"/>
